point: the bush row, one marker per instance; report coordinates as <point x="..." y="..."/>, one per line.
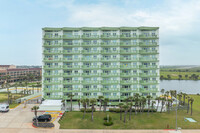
<point x="87" y="110"/>
<point x="117" y="110"/>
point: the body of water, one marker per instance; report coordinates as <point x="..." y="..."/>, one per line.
<point x="186" y="86"/>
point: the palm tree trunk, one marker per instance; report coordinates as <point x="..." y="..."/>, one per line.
<point x="84" y="112"/>
<point x="188" y="107"/>
<point x="120" y="113"/>
<point x="157" y="105"/>
<point x="8" y="95"/>
<point x="148" y="108"/>
<point x="92" y="111"/>
<point x="130" y="112"/>
<point x="125" y="116"/>
<point x="191" y="109"/>
<point x="71" y="103"/>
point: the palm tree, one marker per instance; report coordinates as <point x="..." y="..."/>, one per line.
<point x="7" y="85"/>
<point x="87" y="102"/>
<point x="191" y="102"/>
<point x="158" y="99"/>
<point x="131" y="105"/>
<point x="120" y="106"/>
<point x="83" y="101"/>
<point x="71" y="96"/>
<point x="35" y="108"/>
<point x="100" y="98"/>
<point x="79" y="103"/>
<point x="163" y="103"/>
<point x="184" y="96"/>
<point x="106" y="100"/>
<point x="16" y="85"/>
<point x="149" y="99"/>
<point x="125" y="112"/>
<point x="188" y="98"/>
<point x="162" y="91"/>
<point x="143" y="103"/>
<point x="152" y="105"/>
<point x="180" y="97"/>
<point x="136" y="99"/>
<point x="93" y="101"/>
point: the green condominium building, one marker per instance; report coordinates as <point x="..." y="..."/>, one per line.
<point x="114" y="62"/>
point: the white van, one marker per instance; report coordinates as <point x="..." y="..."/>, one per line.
<point x="4" y="107"/>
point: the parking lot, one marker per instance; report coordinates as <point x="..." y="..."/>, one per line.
<point x="18" y="118"/>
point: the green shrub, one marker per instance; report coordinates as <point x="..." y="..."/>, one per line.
<point x="88" y="110"/>
<point x="106" y="118"/>
<point x="117" y="110"/>
<point x="108" y="123"/>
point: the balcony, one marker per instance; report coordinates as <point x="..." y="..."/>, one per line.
<point x="148" y="81"/>
<point x="90" y="59"/>
<point x="71" y="44"/>
<point x="148" y="52"/>
<point x="71" y="67"/>
<point x="109" y="59"/>
<point x="143" y="36"/>
<point x="143" y="44"/>
<point x="71" y="82"/>
<point x="90" y="37"/>
<point x="110" y="67"/>
<point x="148" y="67"/>
<point x="109" y="90"/>
<point x="52" y="59"/>
<point x="128" y="74"/>
<point x="127" y="59"/>
<point x="125" y="90"/>
<point x="52" y="90"/>
<point x="74" y="97"/>
<point x="112" y="97"/>
<point x="90" y="67"/>
<point x="109" y="52"/>
<point x="129" y="36"/>
<point x="149" y="59"/>
<point x="71" y="51"/>
<point x="52" y="37"/>
<point x="71" y="74"/>
<point x="52" y="45"/>
<point x="71" y="59"/>
<point x="90" y="90"/>
<point x="53" y="97"/>
<point x="109" y="37"/>
<point x="110" y="82"/>
<point x="71" y="90"/>
<point x="90" y="74"/>
<point x="52" y="52"/>
<point x="109" y="74"/>
<point x="71" y="37"/>
<point x="89" y="97"/>
<point x="148" y="74"/>
<point x="90" y="52"/>
<point x="110" y="44"/>
<point x="128" y="67"/>
<point x="128" y="51"/>
<point x="52" y="82"/>
<point x="90" y="82"/>
<point x="128" y="44"/>
<point x="52" y="74"/>
<point x="148" y="90"/>
<point x="52" y="67"/>
<point x="85" y="44"/>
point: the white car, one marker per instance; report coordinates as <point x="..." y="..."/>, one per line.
<point x="4" y="107"/>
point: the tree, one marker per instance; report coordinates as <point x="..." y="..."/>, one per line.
<point x="79" y="103"/>
<point x="83" y="101"/>
<point x="136" y="99"/>
<point x="100" y="98"/>
<point x="93" y="101"/>
<point x="180" y="77"/>
<point x="184" y="96"/>
<point x="120" y="106"/>
<point x="7" y="85"/>
<point x="168" y="76"/>
<point x="149" y="99"/>
<point x="87" y="102"/>
<point x="71" y="96"/>
<point x="191" y="102"/>
<point x="163" y="103"/>
<point x="162" y="91"/>
<point x="152" y="105"/>
<point x="158" y="99"/>
<point x="180" y="98"/>
<point x="125" y="112"/>
<point x="188" y="98"/>
<point x="106" y="100"/>
<point x="161" y="77"/>
<point x="35" y="109"/>
<point x="143" y="99"/>
<point x="16" y="85"/>
<point x="186" y="76"/>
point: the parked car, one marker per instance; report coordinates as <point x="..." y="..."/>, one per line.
<point x="4" y="107"/>
<point x="43" y="118"/>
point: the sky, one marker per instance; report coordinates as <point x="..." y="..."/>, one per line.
<point x="21" y="23"/>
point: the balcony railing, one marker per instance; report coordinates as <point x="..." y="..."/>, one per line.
<point x="143" y="44"/>
<point x="109" y="74"/>
<point x="109" y="52"/>
<point x="85" y="44"/>
<point x="52" y="67"/>
<point x="71" y="51"/>
<point x="128" y="74"/>
<point x="128" y="44"/>
<point x="128" y="51"/>
<point x="52" y="59"/>
<point x="90" y="74"/>
<point x="71" y="36"/>
<point x="128" y="67"/>
<point x="71" y="74"/>
<point x="52" y="52"/>
<point x="90" y="89"/>
<point x="52" y="74"/>
<point x="90" y="52"/>
<point x="71" y="44"/>
<point x="109" y="59"/>
<point x="148" y="81"/>
<point x="128" y="36"/>
<point x="90" y="67"/>
<point x="148" y="59"/>
<point x="147" y="36"/>
<point x="148" y="67"/>
<point x="110" y="82"/>
<point x="71" y="59"/>
<point x="109" y="36"/>
<point x="128" y="59"/>
<point x="110" y="44"/>
<point x="148" y="90"/>
<point x="71" y="67"/>
<point x="90" y="59"/>
<point x="71" y="82"/>
<point x="90" y="82"/>
<point x="90" y="37"/>
<point x="52" y="37"/>
<point x="52" y="45"/>
<point x="52" y="82"/>
<point x="148" y="52"/>
<point x="109" y="67"/>
<point x="148" y="74"/>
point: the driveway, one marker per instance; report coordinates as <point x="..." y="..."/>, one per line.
<point x="18" y="118"/>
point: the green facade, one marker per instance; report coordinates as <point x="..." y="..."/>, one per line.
<point x="115" y="62"/>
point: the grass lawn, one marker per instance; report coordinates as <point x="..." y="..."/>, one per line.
<point x="73" y="120"/>
<point x="4" y="96"/>
<point x="174" y="75"/>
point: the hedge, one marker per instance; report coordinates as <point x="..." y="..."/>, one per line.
<point x="117" y="110"/>
<point x="87" y="110"/>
